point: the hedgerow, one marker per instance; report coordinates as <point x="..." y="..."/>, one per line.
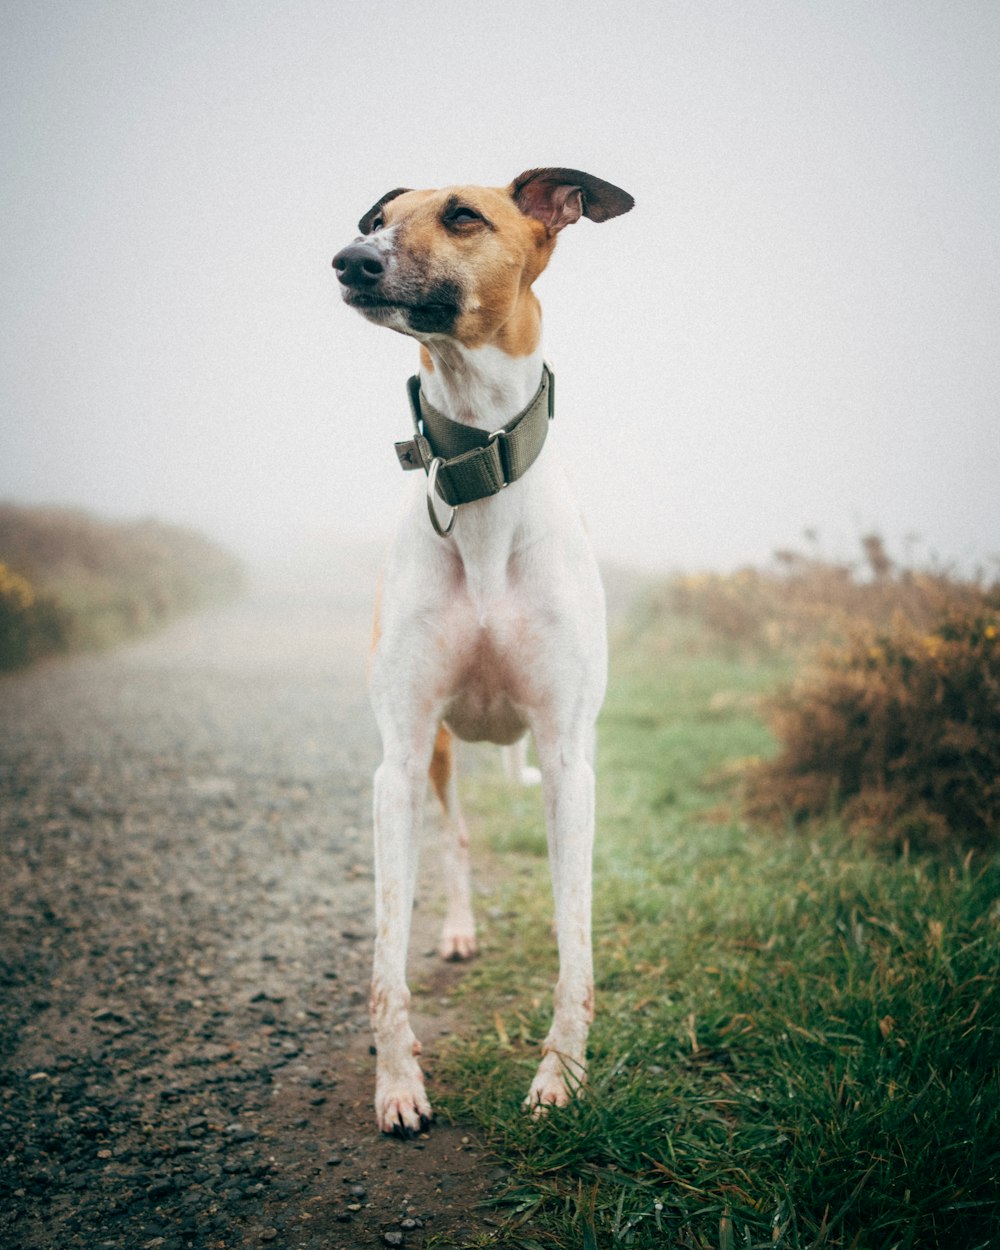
<point x="72" y="580"/>
<point x="31" y="625"/>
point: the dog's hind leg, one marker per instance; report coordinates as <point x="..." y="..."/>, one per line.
<point x="458" y="934"/>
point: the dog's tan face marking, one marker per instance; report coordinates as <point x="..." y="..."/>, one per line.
<point x="460" y="262"/>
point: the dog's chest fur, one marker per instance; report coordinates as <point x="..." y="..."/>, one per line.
<point x="485" y="635"/>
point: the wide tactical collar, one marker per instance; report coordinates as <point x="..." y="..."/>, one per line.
<point x="464" y="464"/>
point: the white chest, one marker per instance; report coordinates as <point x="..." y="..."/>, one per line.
<point x="488" y="679"/>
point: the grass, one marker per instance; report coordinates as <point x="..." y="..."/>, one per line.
<point x="797" y="1041"/>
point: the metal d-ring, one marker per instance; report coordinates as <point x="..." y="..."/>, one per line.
<point x="432" y="474"/>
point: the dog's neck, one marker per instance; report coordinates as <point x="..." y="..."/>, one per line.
<point x="483" y="387"/>
<point x="480" y="386"/>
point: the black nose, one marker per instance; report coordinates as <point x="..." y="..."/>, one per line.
<point x="359" y="265"/>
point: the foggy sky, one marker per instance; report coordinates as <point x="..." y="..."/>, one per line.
<point x="797" y="326"/>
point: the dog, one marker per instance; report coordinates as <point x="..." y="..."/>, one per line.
<point x="491" y="617"/>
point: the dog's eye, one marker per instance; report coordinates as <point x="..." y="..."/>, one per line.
<point x="462" y="215"/>
<point x="377" y="224"/>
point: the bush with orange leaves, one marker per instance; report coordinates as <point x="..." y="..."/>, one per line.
<point x="898" y="729"/>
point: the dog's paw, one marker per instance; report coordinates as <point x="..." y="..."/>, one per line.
<point x="516" y="767"/>
<point x="530" y="775"/>
<point x="556" y="1083"/>
<point x="402" y="1107"/>
<point x="457" y="943"/>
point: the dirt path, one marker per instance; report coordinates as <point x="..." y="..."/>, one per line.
<point x="185" y="901"/>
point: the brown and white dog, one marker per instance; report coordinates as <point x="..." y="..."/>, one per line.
<point x="497" y="628"/>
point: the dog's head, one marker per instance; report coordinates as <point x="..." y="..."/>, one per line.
<point x="459" y="262"/>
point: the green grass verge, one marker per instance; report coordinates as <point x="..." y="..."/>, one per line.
<point x="797" y="1042"/>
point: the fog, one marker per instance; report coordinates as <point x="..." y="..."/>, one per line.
<point x="797" y="327"/>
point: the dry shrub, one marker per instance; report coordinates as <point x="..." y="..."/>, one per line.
<point x="805" y="599"/>
<point x="899" y="728"/>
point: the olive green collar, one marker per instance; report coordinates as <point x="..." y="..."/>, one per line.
<point x="464" y="464"/>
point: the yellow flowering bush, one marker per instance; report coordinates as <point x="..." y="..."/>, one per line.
<point x="898" y="730"/>
<point x="30" y="624"/>
<point x="15" y="589"/>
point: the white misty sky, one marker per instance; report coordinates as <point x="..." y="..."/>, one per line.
<point x="798" y="325"/>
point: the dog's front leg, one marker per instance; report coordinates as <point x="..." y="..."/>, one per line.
<point x="568" y="778"/>
<point x="401" y="1104"/>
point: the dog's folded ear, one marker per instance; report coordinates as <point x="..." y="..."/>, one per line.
<point x="558" y="197"/>
<point x="365" y="224"/>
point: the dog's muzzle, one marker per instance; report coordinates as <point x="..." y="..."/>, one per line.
<point x="359" y="266"/>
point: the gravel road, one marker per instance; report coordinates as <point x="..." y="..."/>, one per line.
<point x="185" y="900"/>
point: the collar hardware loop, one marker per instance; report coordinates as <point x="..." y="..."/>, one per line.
<point x="432" y="473"/>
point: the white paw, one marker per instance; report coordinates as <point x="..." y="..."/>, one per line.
<point x="557" y="1080"/>
<point x="457" y="943"/>
<point x="516" y="767"/>
<point x="401" y="1104"/>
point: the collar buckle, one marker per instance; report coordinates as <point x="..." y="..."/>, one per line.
<point x="500" y="438"/>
